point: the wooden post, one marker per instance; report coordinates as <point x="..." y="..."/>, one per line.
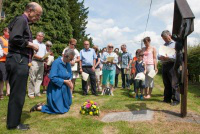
<point x="185" y="84"/>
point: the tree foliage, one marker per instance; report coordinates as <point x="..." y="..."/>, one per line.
<point x="194" y="63"/>
<point x="61" y="19"/>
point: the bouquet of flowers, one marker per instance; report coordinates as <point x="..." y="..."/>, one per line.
<point x="90" y="108"/>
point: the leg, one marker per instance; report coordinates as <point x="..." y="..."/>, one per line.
<point x="116" y="80"/>
<point x="167" y="83"/>
<point x="84" y="83"/>
<point x="39" y="78"/>
<point x="17" y="76"/>
<point x="104" y="81"/>
<point x="92" y="81"/>
<point x="1" y="89"/>
<point x="112" y="80"/>
<point x="127" y="81"/>
<point x="123" y="78"/>
<point x="7" y="88"/>
<point x="32" y="79"/>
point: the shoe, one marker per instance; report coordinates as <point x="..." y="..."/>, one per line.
<point x="102" y="93"/>
<point x="1" y="97"/>
<point x="136" y="97"/>
<point x="112" y="94"/>
<point x="44" y="92"/>
<point x="166" y="101"/>
<point x="23" y="127"/>
<point x="39" y="95"/>
<point x="35" y="107"/>
<point x="20" y="127"/>
<point x="31" y="97"/>
<point x="141" y="97"/>
<point x="84" y="94"/>
<point x="174" y="103"/>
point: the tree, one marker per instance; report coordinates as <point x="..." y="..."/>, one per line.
<point x="78" y="19"/>
<point x="55" y="21"/>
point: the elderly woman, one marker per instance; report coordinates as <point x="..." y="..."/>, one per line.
<point x="59" y="97"/>
<point x="151" y="64"/>
<point x="109" y="68"/>
<point x="75" y="61"/>
<point x="47" y="66"/>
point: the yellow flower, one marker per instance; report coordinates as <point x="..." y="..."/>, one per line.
<point x="94" y="106"/>
<point x="91" y="113"/>
<point x="83" y="112"/>
<point x="92" y="102"/>
<point x="80" y="108"/>
<point x="85" y="103"/>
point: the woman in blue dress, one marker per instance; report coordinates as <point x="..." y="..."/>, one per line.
<point x="59" y="96"/>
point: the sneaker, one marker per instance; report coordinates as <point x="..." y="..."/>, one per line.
<point x="31" y="96"/>
<point x="44" y="92"/>
<point x="39" y="95"/>
<point x="112" y="94"/>
<point x="141" y="97"/>
<point x="136" y="97"/>
<point x="102" y="93"/>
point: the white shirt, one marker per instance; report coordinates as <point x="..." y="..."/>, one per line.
<point x="76" y="53"/>
<point x="42" y="48"/>
<point x="1" y="51"/>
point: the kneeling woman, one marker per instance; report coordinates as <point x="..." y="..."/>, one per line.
<point x="59" y="96"/>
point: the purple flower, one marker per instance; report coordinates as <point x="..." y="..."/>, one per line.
<point x="95" y="103"/>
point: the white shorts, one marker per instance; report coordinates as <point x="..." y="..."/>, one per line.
<point x="149" y="83"/>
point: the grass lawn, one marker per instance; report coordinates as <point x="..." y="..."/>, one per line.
<point x="73" y="122"/>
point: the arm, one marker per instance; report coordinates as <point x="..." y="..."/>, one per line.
<point x="80" y="62"/>
<point x="155" y="60"/>
<point x="130" y="57"/>
<point x="17" y="28"/>
<point x="1" y="51"/>
<point x="145" y="68"/>
<point x="98" y="62"/>
<point x="54" y="75"/>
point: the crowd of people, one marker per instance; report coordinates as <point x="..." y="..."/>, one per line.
<point x="21" y="56"/>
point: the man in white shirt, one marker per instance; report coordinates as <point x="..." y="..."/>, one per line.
<point x="37" y="68"/>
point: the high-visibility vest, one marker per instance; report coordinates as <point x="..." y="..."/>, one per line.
<point x="4" y="47"/>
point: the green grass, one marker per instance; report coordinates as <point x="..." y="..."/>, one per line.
<point x="74" y="123"/>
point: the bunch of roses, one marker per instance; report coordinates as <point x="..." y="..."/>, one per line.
<point x="90" y="108"/>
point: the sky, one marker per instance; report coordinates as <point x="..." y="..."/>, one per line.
<point x="123" y="22"/>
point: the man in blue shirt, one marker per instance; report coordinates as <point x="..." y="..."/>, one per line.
<point x="169" y="79"/>
<point x="87" y="64"/>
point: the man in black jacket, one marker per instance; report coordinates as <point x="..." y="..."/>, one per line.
<point x="19" y="57"/>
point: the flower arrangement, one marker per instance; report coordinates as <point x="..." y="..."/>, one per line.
<point x="89" y="108"/>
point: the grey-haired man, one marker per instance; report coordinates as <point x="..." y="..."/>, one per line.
<point x="169" y="79"/>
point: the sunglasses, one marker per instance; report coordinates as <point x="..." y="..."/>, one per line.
<point x="48" y="46"/>
<point x="73" y="44"/>
<point x="110" y="47"/>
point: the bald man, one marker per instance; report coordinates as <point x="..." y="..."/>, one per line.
<point x="18" y="61"/>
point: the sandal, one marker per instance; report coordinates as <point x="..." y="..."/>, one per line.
<point x="35" y="108"/>
<point x="1" y="97"/>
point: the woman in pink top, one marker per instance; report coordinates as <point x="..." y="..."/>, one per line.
<point x="151" y="64"/>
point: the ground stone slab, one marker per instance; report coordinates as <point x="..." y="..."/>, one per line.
<point x="142" y="115"/>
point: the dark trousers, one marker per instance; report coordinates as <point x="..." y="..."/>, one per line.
<point x="125" y="79"/>
<point x="170" y="82"/>
<point x="116" y="79"/>
<point x="92" y="76"/>
<point x="17" y="68"/>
